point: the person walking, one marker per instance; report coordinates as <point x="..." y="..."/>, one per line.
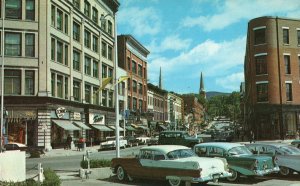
<point x="297" y="134"/>
<point x="251" y="137"/>
<point x="69" y="141"/>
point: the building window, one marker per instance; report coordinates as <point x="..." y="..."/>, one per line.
<point x="29" y="45"/>
<point x="140" y="88"/>
<point x="129" y="84"/>
<point x="110" y="54"/>
<point x="298" y="36"/>
<point x="13" y="44"/>
<point x="110" y="99"/>
<point x="87" y="93"/>
<point x="76" y="31"/>
<point x="12" y="82"/>
<point x="134" y="103"/>
<point x="289" y="92"/>
<point x="95" y="96"/>
<point x="95" y="43"/>
<point x="76" y="90"/>
<point x="259" y="36"/>
<point x="59" y="52"/>
<point x="29" y="82"/>
<point x="53" y="49"/>
<point x="66" y="88"/>
<point x="261" y="65"/>
<point x="103" y="25"/>
<point x="53" y="84"/>
<point x="30" y="10"/>
<point x="66" y="21"/>
<point x="87" y="65"/>
<point x="95" y="15"/>
<point x="133" y="67"/>
<point x="128" y="64"/>
<point x="262" y="92"/>
<point x="13" y="9"/>
<point x="140" y="105"/>
<point x="145" y="73"/>
<point x="287" y="64"/>
<point x="87" y="8"/>
<point x="286" y="36"/>
<point x="104" y="71"/>
<point x="66" y="54"/>
<point x="53" y="15"/>
<point x="134" y="86"/>
<point x="109" y="28"/>
<point x="110" y="74"/>
<point x="87" y="39"/>
<point x="104" y="48"/>
<point x="76" y="3"/>
<point x="104" y="98"/>
<point x="95" y="69"/>
<point x="59" y="85"/>
<point x="140" y="70"/>
<point x="76" y="60"/>
<point x="59" y="20"/>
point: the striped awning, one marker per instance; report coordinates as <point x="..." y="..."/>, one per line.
<point x="130" y="128"/>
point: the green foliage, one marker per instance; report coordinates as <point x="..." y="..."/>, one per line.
<point x="51" y="178"/>
<point x="95" y="163"/>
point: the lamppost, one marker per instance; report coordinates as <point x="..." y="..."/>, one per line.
<point x="2" y="78"/>
<point x="102" y="19"/>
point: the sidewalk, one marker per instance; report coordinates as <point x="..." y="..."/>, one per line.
<point x="69" y="152"/>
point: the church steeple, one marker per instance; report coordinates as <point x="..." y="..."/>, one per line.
<point x="160" y="80"/>
<point x="202" y="90"/>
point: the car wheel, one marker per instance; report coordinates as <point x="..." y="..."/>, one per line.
<point x="284" y="171"/>
<point x="121" y="174"/>
<point x="175" y="182"/>
<point x="234" y="177"/>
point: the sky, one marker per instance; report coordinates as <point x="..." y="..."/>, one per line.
<point x="187" y="37"/>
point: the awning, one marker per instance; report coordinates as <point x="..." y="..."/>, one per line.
<point x="130" y="128"/>
<point x="163" y="127"/>
<point x="81" y="125"/>
<point x="143" y="127"/>
<point x="114" y="128"/>
<point x="102" y="128"/>
<point x="65" y="124"/>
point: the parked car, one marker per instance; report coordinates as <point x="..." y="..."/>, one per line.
<point x="15" y="146"/>
<point x="226" y="136"/>
<point x="153" y="140"/>
<point x="177" y="138"/>
<point x="143" y="140"/>
<point x="296" y="143"/>
<point x="132" y="141"/>
<point x="169" y="162"/>
<point x="288" y="157"/>
<point x="241" y="161"/>
<point x="110" y="143"/>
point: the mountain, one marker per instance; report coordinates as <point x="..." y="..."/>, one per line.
<point x="213" y="93"/>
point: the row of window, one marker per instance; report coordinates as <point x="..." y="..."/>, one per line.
<point x="262" y="67"/>
<point x="14" y="9"/>
<point x="262" y="92"/>
<point x="155" y="102"/>
<point x="60" y="84"/>
<point x="13" y="44"/>
<point x="260" y="35"/>
<point x="136" y="87"/>
<point x="13" y="82"/>
<point x="136" y="69"/>
<point x="135" y="104"/>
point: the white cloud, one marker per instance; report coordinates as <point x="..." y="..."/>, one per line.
<point x="232" y="81"/>
<point x="145" y="21"/>
<point x="235" y="10"/>
<point x="171" y="42"/>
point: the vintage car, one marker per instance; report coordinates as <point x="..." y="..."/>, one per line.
<point x="132" y="141"/>
<point x="153" y="140"/>
<point x="288" y="157"/>
<point x="296" y="143"/>
<point x="174" y="163"/>
<point x="143" y="139"/>
<point x="240" y="160"/>
<point x="177" y="138"/>
<point x="110" y="143"/>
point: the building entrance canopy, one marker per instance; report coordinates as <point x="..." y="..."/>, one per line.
<point x="114" y="128"/>
<point x="65" y="124"/>
<point x="102" y="128"/>
<point x="82" y="125"/>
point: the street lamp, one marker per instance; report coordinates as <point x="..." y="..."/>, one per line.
<point x="2" y="79"/>
<point x="102" y="19"/>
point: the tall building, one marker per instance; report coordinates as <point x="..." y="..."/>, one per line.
<point x="57" y="53"/>
<point x="272" y="61"/>
<point x="133" y="59"/>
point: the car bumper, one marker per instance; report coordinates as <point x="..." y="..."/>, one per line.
<point x="266" y="171"/>
<point x="107" y="147"/>
<point x="212" y="177"/>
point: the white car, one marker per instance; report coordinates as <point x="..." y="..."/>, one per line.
<point x="174" y="163"/>
<point x="110" y="143"/>
<point x="143" y="139"/>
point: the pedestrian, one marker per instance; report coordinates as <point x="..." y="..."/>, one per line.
<point x="297" y="134"/>
<point x="251" y="137"/>
<point x="69" y="141"/>
<point x="80" y="143"/>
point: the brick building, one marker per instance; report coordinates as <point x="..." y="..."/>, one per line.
<point x="272" y="66"/>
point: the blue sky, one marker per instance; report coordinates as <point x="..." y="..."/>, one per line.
<point x="187" y="37"/>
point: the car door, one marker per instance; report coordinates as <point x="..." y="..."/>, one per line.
<point x="146" y="161"/>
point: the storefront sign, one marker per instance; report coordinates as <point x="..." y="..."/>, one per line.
<point x="96" y="119"/>
<point x="60" y="112"/>
<point x="77" y="116"/>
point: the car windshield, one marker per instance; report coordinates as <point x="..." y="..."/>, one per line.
<point x="181" y="153"/>
<point x="290" y="150"/>
<point x="240" y="150"/>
